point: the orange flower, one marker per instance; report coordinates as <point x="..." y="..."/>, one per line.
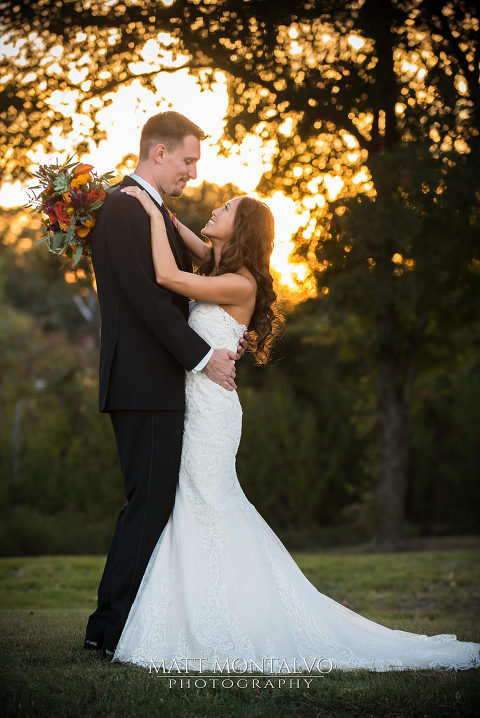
<point x="79" y="181"/>
<point x="60" y="209"/>
<point x="97" y="194"/>
<point x="82" y="170"/>
<point x="83" y="231"/>
<point x="63" y="226"/>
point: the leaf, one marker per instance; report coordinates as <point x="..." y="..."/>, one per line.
<point x="78" y="255"/>
<point x="68" y="162"/>
<point x="70" y="231"/>
<point x="57" y="239"/>
<point x="42" y="239"/>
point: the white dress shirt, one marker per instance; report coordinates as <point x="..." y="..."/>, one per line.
<point x="156" y="196"/>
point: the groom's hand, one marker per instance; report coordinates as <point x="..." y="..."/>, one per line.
<point x="221" y="368"/>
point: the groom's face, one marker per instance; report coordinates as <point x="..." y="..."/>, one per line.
<point x="177" y="166"/>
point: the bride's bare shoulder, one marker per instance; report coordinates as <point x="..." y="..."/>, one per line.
<point x="244" y="272"/>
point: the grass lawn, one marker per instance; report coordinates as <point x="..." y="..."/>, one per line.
<point x="46" y="600"/>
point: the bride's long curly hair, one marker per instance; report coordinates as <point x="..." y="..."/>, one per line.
<point x="250" y="246"/>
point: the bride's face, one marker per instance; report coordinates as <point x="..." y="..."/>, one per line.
<point x="220" y="224"/>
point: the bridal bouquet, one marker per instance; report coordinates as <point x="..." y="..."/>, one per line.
<point x="69" y="200"/>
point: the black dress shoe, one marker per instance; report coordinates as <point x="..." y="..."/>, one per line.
<point x="107" y="653"/>
<point x="91" y="645"/>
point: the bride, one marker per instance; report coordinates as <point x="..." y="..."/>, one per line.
<point x="220" y="586"/>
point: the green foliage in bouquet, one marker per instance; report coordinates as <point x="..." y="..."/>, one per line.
<point x="69" y="200"/>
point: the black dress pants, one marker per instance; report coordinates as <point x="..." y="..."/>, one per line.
<point x="149" y="448"/>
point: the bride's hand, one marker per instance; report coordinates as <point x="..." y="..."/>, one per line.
<point x="145" y="200"/>
<point x="242" y="345"/>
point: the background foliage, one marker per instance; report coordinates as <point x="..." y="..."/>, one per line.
<point x="365" y="425"/>
<point x="309" y="455"/>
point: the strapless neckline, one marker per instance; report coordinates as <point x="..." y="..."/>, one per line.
<point x="244" y="326"/>
<point x="196" y="302"/>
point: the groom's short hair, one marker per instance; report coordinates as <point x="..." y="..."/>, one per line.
<point x="169" y="128"/>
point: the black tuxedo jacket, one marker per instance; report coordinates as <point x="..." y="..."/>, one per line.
<point x="146" y="343"/>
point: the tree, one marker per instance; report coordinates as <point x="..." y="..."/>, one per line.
<point x="406" y="265"/>
<point x="341" y="88"/>
<point x="327" y="68"/>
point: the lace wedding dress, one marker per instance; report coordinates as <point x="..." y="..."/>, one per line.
<point x="220" y="585"/>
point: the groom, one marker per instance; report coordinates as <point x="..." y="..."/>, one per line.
<point x="146" y="346"/>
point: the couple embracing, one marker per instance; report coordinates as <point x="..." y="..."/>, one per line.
<point x="193" y="570"/>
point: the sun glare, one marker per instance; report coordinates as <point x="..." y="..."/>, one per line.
<point x="356" y="42"/>
<point x="287" y="222"/>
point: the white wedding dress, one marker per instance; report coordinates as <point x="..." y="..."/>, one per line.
<point x="220" y="585"/>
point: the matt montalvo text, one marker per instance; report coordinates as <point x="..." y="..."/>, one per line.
<point x="188" y="672"/>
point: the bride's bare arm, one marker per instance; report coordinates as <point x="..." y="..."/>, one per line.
<point x="228" y="288"/>
<point x="196" y="246"/>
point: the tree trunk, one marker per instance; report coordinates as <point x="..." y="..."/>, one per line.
<point x="392" y="480"/>
<point x="394" y="390"/>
